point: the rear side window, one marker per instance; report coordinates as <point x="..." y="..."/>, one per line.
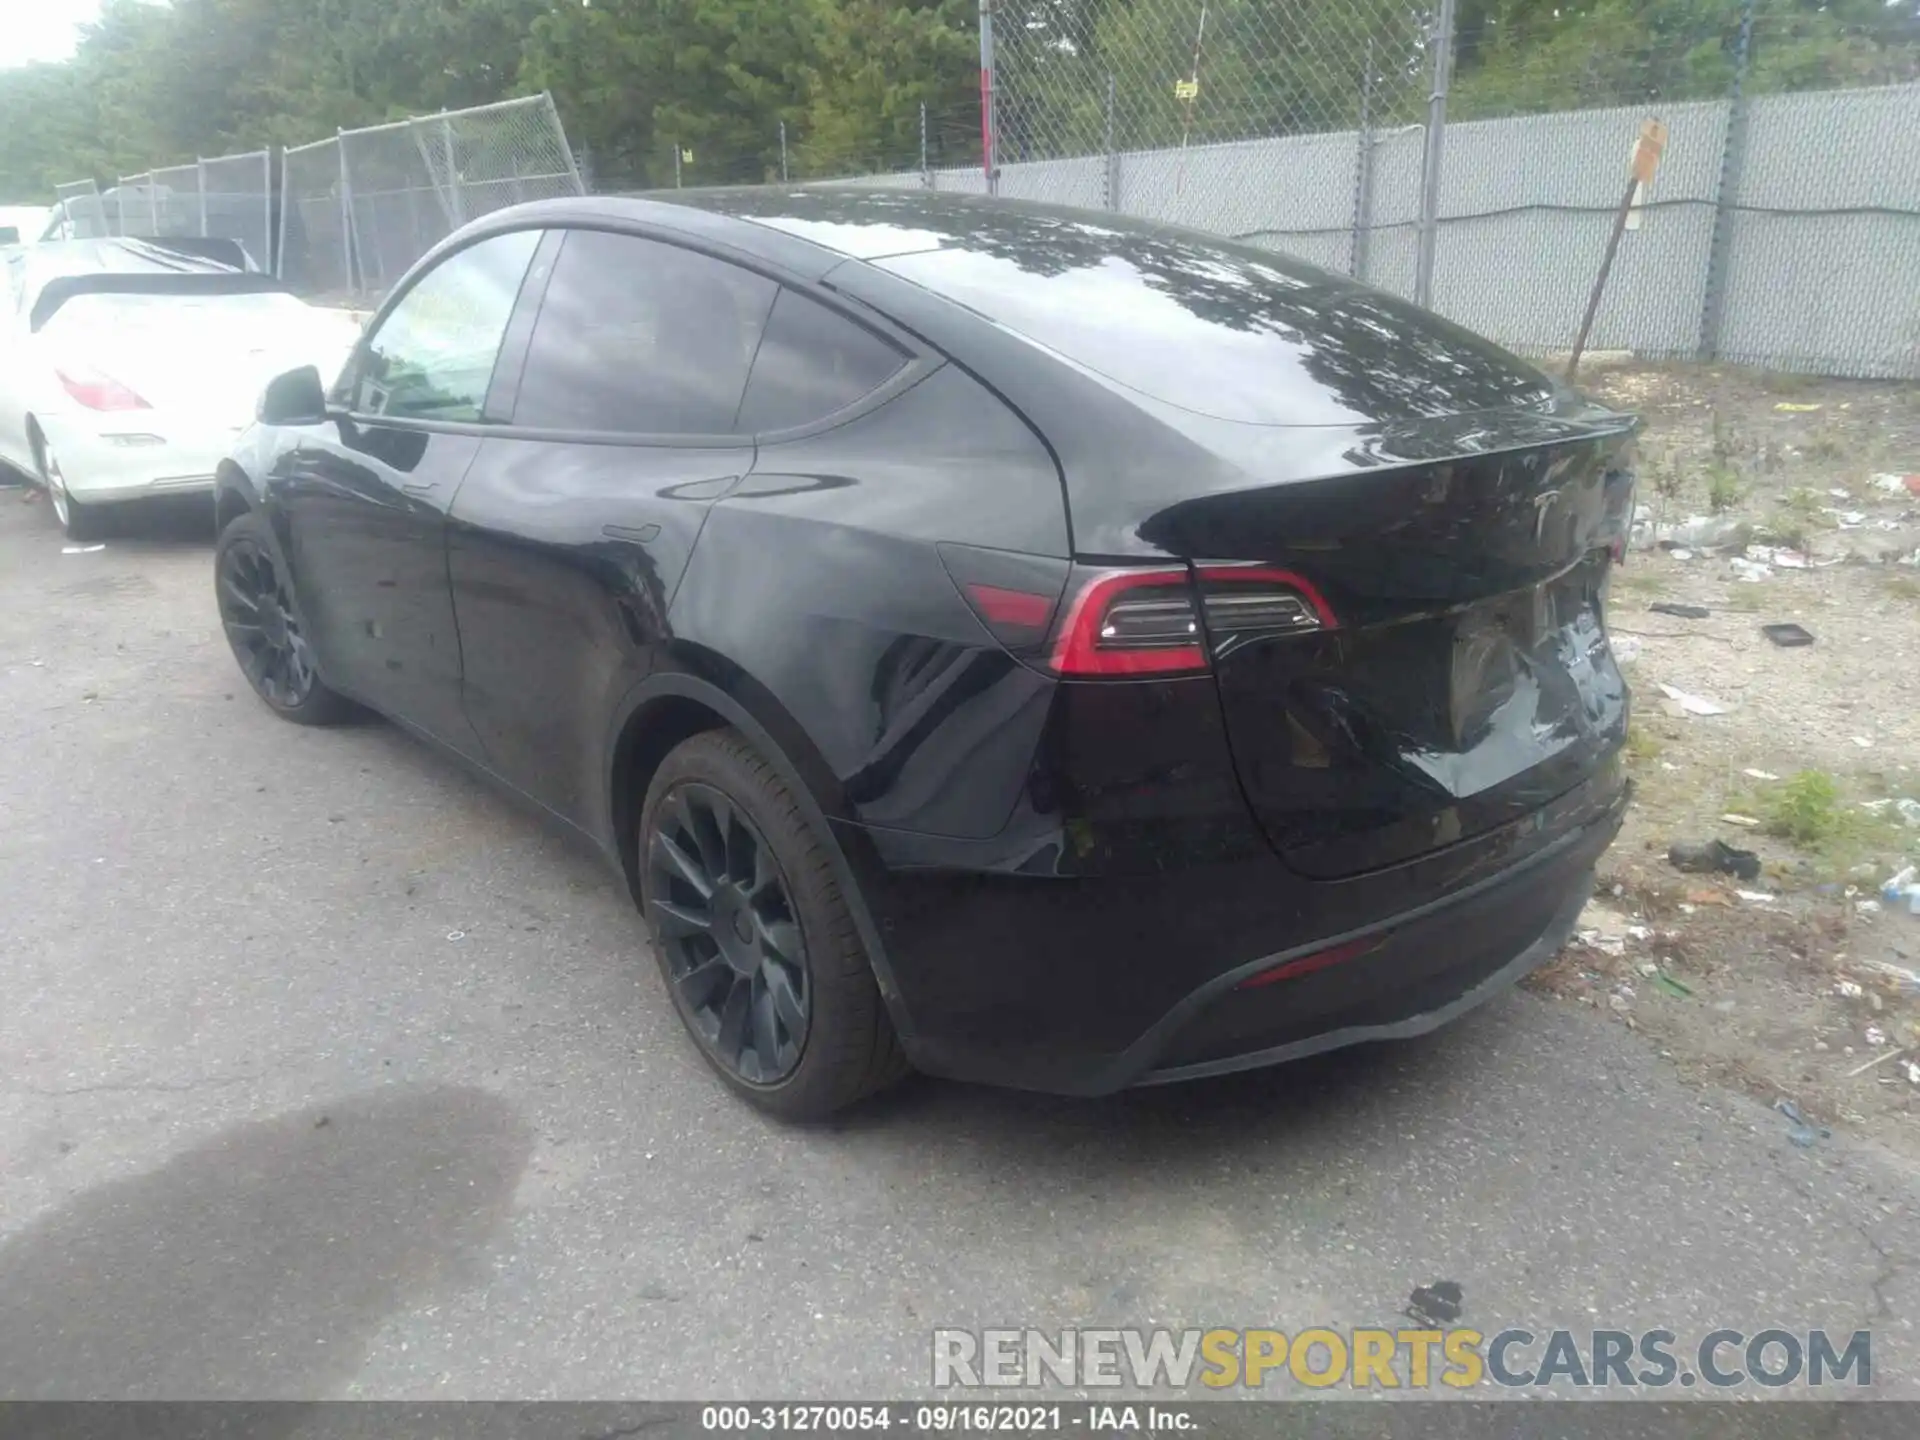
<point x="641" y="338"/>
<point x="811" y="363"/>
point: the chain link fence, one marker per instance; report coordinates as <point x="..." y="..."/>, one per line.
<point x="410" y="184"/>
<point x="82" y="214"/>
<point x="314" y="253"/>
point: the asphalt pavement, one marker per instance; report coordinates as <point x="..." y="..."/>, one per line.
<point x="327" y="1072"/>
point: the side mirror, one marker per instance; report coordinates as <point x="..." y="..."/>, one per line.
<point x="295" y="398"/>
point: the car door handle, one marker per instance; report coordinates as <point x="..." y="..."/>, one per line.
<point x="419" y="487"/>
<point x="642" y="534"/>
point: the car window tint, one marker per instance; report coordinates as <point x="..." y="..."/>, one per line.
<point x="811" y="363"/>
<point x="641" y="337"/>
<point x="432" y="357"/>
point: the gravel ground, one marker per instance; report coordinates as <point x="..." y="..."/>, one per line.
<point x="324" y="1072"/>
<point x="1792" y="994"/>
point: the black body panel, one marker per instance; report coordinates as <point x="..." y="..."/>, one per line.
<point x="1063" y="881"/>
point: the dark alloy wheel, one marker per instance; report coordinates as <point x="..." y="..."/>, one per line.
<point x="264" y="628"/>
<point x="733" y="947"/>
<point x="753" y="934"/>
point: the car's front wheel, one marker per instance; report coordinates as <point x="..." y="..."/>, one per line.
<point x="78" y="520"/>
<point x="264" y="627"/>
<point x="753" y="935"/>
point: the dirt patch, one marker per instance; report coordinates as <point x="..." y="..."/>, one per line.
<point x="1791" y="994"/>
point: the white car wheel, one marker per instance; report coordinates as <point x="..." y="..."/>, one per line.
<point x="76" y="519"/>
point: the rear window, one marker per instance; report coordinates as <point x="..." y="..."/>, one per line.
<point x="1220" y="330"/>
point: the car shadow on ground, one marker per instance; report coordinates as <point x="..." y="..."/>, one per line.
<point x="157" y="526"/>
<point x="262" y="1261"/>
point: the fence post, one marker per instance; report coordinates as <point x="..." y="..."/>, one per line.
<point x="1430" y="167"/>
<point x="1363" y="177"/>
<point x="200" y="178"/>
<point x="454" y="206"/>
<point x="346" y="210"/>
<point x="988" y="126"/>
<point x="153" y="204"/>
<point x="566" y="145"/>
<point x="783" y="152"/>
<point x="926" y="174"/>
<point x="277" y="262"/>
<point x="676" y="164"/>
<point x="1113" y="150"/>
<point x="266" y="208"/>
<point x="1733" y="153"/>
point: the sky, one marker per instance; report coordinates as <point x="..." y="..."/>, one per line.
<point x="42" y="29"/>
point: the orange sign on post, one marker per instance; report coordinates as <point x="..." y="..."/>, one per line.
<point x="1648" y="150"/>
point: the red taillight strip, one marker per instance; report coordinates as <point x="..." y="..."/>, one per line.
<point x="1307" y="964"/>
<point x="1077" y="651"/>
<point x="1011" y="607"/>
<point x="1305" y="588"/>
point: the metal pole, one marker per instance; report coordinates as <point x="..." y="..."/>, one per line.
<point x="286" y="209"/>
<point x="1430" y="171"/>
<point x="1113" y="151"/>
<point x="926" y="175"/>
<point x="989" y="126"/>
<point x="1733" y="154"/>
<point x="200" y="177"/>
<point x="346" y="208"/>
<point x="783" y="152"/>
<point x="454" y="205"/>
<point x="676" y="164"/>
<point x="566" y="146"/>
<point x="1363" y="177"/>
<point x="266" y="208"/>
<point x="153" y="205"/>
<point x="1600" y="281"/>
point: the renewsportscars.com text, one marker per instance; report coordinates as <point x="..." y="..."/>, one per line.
<point x="1365" y="1359"/>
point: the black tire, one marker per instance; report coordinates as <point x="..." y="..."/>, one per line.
<point x="79" y="522"/>
<point x="264" y="628"/>
<point x="848" y="1050"/>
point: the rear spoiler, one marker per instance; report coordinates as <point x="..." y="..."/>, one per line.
<point x="58" y="292"/>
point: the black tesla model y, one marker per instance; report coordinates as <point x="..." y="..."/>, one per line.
<point x="1023" y="644"/>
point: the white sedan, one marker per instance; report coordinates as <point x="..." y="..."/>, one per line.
<point x="127" y="367"/>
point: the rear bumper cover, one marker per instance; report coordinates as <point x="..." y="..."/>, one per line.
<point x="1412" y="971"/>
<point x="155" y="454"/>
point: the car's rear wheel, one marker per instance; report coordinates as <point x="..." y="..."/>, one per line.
<point x="264" y="627"/>
<point x="753" y="936"/>
<point x="79" y="521"/>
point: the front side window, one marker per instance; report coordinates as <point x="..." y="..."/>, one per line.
<point x="639" y="337"/>
<point x="432" y="357"/>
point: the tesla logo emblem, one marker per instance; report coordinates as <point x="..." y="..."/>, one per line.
<point x="1540" y="504"/>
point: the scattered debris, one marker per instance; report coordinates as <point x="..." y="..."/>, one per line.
<point x="456" y="935"/>
<point x="1621" y="1000"/>
<point x="1692" y="704"/>
<point x="1801" y="1133"/>
<point x="1666" y="982"/>
<point x="1625" y="648"/>
<point x="1749" y="571"/>
<point x="1908" y="810"/>
<point x="1863" y="742"/>
<point x="1788" y="635"/>
<point x="1699" y="531"/>
<point x="1711" y="857"/>
<point x="1745" y="821"/>
<point x="1679" y="611"/>
<point x="1840" y="492"/>
<point x="1706" y="897"/>
<point x="1795" y="407"/>
<point x="1848" y="989"/>
<point x="1898" y="484"/>
<point x="1859" y="1070"/>
<point x="1759" y="774"/>
<point x="1903" y="889"/>
<point x="1437" y="1304"/>
<point x="1757" y="897"/>
<point x="1907" y="980"/>
<point x="1867" y="907"/>
<point x="80" y="549"/>
<point x="1875" y="1036"/>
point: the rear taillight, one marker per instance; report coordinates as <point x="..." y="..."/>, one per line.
<point x="96" y="391"/>
<point x="1144" y="622"/>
